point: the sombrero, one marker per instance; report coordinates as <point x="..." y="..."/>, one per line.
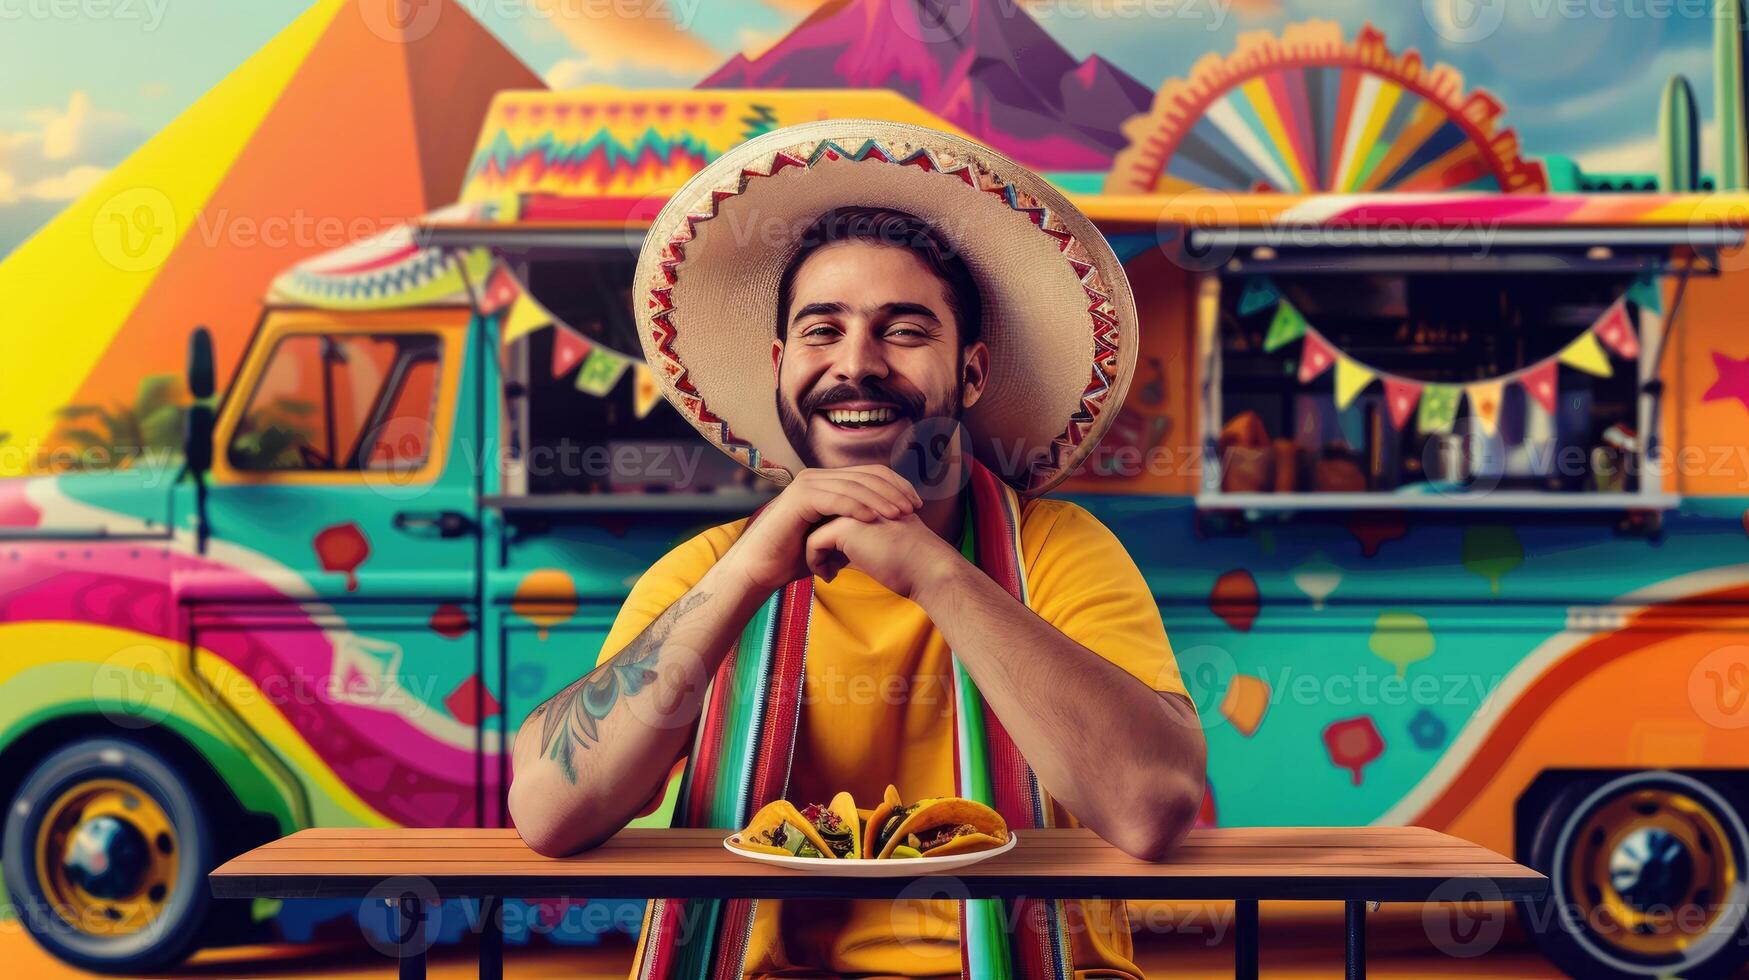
<point x="1058" y="315"/>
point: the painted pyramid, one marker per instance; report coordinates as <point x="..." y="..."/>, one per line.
<point x="357" y="116"/>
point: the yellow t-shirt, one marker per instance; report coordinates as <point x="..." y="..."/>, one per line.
<point x="877" y="709"/>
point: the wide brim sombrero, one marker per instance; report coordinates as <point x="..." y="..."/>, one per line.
<point x="1058" y="315"/>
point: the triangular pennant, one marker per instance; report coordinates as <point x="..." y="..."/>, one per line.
<point x="1439" y="407"/>
<point x="1484" y="399"/>
<point x="1616" y="330"/>
<point x="1400" y="398"/>
<point x="501" y="291"/>
<point x="1646" y="294"/>
<point x="1316" y="356"/>
<point x="1260" y="294"/>
<point x="1351" y="377"/>
<point x="1539" y="383"/>
<point x="1586" y="355"/>
<point x="569" y="350"/>
<point x="646" y="393"/>
<point x="601" y="371"/>
<point x="1287" y="327"/>
<point x="525" y="317"/>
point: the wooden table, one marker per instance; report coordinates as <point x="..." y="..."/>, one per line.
<point x="413" y="867"/>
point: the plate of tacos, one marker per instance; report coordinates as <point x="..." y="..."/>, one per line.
<point x="894" y="838"/>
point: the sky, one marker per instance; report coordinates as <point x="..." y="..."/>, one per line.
<point x="85" y="82"/>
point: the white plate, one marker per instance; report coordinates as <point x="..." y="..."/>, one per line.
<point x="890" y="868"/>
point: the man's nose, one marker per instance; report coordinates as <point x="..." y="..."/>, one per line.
<point x="861" y="357"/>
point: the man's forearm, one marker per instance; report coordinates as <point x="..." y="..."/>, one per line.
<point x="1126" y="760"/>
<point x="589" y="758"/>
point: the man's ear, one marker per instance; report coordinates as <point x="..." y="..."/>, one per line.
<point x="974" y="373"/>
<point x="776" y="360"/>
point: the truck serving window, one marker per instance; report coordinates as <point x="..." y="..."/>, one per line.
<point x="341" y="402"/>
<point x="572" y="436"/>
<point x="1500" y="394"/>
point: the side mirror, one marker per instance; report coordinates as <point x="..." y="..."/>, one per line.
<point x="197" y="443"/>
<point x="200" y="364"/>
<point x="198" y="447"/>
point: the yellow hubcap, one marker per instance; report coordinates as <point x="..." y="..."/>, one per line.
<point x="106" y="857"/>
<point x="1651" y="871"/>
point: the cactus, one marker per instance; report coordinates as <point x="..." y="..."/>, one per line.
<point x="1728" y="93"/>
<point x="1678" y="138"/>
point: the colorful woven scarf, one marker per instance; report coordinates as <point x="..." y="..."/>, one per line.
<point x="741" y="761"/>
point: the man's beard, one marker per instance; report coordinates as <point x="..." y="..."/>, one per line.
<point x="912" y="409"/>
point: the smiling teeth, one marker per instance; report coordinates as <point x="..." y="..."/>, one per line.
<point x="864" y="416"/>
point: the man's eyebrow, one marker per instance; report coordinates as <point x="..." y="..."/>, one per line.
<point x="885" y="309"/>
<point x="819" y="309"/>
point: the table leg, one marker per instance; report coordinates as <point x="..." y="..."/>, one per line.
<point x="1245" y="939"/>
<point x="1355" y="915"/>
<point x="491" y="938"/>
<point x="412" y="937"/>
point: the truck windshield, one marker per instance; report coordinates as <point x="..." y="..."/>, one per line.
<point x="341" y="402"/>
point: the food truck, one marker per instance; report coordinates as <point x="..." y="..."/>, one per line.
<point x="1439" y="483"/>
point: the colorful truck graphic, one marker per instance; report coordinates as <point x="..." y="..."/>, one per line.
<point x="437" y="466"/>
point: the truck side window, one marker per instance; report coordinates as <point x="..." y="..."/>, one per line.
<point x="340" y="402"/>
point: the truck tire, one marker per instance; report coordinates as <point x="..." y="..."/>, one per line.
<point x="1646" y="878"/>
<point x="106" y="854"/>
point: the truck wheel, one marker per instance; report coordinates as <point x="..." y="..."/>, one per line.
<point x="106" y="854"/>
<point x="1646" y="879"/>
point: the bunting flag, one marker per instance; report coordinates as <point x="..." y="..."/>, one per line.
<point x="645" y="393"/>
<point x="1484" y="399"/>
<point x="1260" y="294"/>
<point x="1585" y="354"/>
<point x="569" y="349"/>
<point x="1287" y="327"/>
<point x="1539" y="383"/>
<point x="1400" y="397"/>
<point x="1646" y="294"/>
<point x="1439" y="406"/>
<point x="501" y="291"/>
<point x="525" y="317"/>
<point x="1316" y="356"/>
<point x="1351" y="377"/>
<point x="601" y="371"/>
<point x="1612" y="333"/>
<point x="1616" y="330"/>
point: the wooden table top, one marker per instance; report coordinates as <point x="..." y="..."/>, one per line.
<point x="1321" y="863"/>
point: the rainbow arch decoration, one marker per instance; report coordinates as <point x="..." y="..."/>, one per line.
<point x="1310" y="112"/>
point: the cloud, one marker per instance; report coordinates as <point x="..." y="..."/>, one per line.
<point x="61" y="154"/>
<point x="638" y="35"/>
<point x="67" y="186"/>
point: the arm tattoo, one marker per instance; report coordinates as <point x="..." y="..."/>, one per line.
<point x="569" y="718"/>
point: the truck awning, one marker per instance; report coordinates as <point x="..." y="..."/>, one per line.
<point x="1573" y="215"/>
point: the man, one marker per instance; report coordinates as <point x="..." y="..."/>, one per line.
<point x="865" y="623"/>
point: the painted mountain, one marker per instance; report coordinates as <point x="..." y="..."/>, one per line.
<point x="985" y="65"/>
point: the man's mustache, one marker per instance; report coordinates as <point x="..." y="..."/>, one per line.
<point x="908" y="404"/>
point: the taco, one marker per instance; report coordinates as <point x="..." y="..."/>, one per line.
<point x="938" y="827"/>
<point x="883" y="820"/>
<point x="817" y="830"/>
<point x="779" y="828"/>
<point x="836" y="824"/>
